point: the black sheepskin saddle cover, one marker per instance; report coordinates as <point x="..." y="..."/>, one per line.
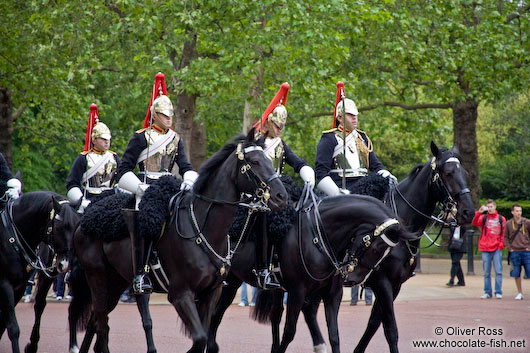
<point x="103" y="219"/>
<point x="372" y="185"/>
<point x="279" y="222"/>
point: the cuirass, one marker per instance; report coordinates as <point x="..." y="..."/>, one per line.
<point x="165" y="158"/>
<point x="356" y="161"/>
<point x="104" y="174"/>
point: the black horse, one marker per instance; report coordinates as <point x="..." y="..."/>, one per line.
<point x="33" y="218"/>
<point x="309" y="265"/>
<point x="193" y="245"/>
<point x="440" y="180"/>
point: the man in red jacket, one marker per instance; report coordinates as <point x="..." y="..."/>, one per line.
<point x="491" y="243"/>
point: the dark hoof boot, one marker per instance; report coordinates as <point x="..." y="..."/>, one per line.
<point x="142" y="284"/>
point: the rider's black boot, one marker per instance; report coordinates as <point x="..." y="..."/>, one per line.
<point x="266" y="280"/>
<point x="141" y="282"/>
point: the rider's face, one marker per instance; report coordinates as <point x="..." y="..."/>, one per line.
<point x="350" y="121"/>
<point x="162" y="120"/>
<point x="101" y="144"/>
<point x="273" y="129"/>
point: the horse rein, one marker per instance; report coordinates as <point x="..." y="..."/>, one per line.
<point x="20" y="245"/>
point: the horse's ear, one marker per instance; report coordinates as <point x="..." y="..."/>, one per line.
<point x="251" y="135"/>
<point x="18" y="175"/>
<point x="434" y="149"/>
<point x="56" y="205"/>
<point x="455" y="151"/>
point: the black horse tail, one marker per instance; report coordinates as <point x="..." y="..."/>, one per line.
<point x="263" y="308"/>
<point x="80" y="306"/>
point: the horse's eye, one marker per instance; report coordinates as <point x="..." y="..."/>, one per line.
<point x="256" y="163"/>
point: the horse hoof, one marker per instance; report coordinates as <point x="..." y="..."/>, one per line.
<point x="30" y="349"/>
<point x="321" y="348"/>
<point x="74" y="349"/>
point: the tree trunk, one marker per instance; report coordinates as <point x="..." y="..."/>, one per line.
<point x="192" y="133"/>
<point x="6" y="126"/>
<point x="465" y="116"/>
<point x="252" y="101"/>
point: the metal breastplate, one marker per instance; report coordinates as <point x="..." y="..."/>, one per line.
<point x="101" y="180"/>
<point x="164" y="160"/>
<point x="276" y="154"/>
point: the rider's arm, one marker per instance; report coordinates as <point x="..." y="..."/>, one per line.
<point x="182" y="159"/>
<point x="76" y="173"/>
<point x="292" y="159"/>
<point x="324" y="156"/>
<point x="128" y="161"/>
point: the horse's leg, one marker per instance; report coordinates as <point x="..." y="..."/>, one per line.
<point x="89" y="335"/>
<point x="276" y="318"/>
<point x="310" y="310"/>
<point x="295" y="300"/>
<point x="184" y="303"/>
<point x="227" y="297"/>
<point x="331" y="305"/>
<point x="7" y="308"/>
<point x="142" y="302"/>
<point x="383" y="305"/>
<point x="106" y="295"/>
<point x="43" y="286"/>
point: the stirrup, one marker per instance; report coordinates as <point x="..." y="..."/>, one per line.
<point x="266" y="280"/>
<point x="142" y="284"/>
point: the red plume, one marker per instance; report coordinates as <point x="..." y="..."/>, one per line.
<point x="280" y="97"/>
<point x="159" y="88"/>
<point x="338" y="98"/>
<point x="93" y="118"/>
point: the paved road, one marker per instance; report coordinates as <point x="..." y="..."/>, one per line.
<point x="424" y="304"/>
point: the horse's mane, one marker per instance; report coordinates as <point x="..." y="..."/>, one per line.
<point x="38" y="200"/>
<point x="214" y="162"/>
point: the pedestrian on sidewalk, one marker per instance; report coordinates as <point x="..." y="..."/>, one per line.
<point x="518" y="242"/>
<point x="491" y="243"/>
<point x="457" y="248"/>
<point x="244" y="297"/>
<point x="368" y="295"/>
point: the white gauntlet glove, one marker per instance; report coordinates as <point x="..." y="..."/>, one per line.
<point x="386" y="174"/>
<point x="189" y="179"/>
<point x="14" y="188"/>
<point x="308" y="175"/>
<point x="84" y="205"/>
<point x="328" y="186"/>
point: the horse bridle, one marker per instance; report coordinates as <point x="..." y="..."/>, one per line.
<point x="258" y="202"/>
<point x="20" y="245"/>
<point x="320" y="239"/>
<point x="449" y="203"/>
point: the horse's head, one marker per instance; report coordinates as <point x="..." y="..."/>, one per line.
<point x="62" y="225"/>
<point x="450" y="178"/>
<point x="371" y="245"/>
<point x="256" y="175"/>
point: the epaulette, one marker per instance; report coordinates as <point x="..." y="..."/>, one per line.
<point x="331" y="130"/>
<point x="141" y="130"/>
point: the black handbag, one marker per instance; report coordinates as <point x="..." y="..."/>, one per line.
<point x="457" y="245"/>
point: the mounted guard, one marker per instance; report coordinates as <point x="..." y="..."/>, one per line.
<point x="271" y="124"/>
<point x="341" y="165"/>
<point x="95" y="169"/>
<point x="10" y="188"/>
<point x="157" y="150"/>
